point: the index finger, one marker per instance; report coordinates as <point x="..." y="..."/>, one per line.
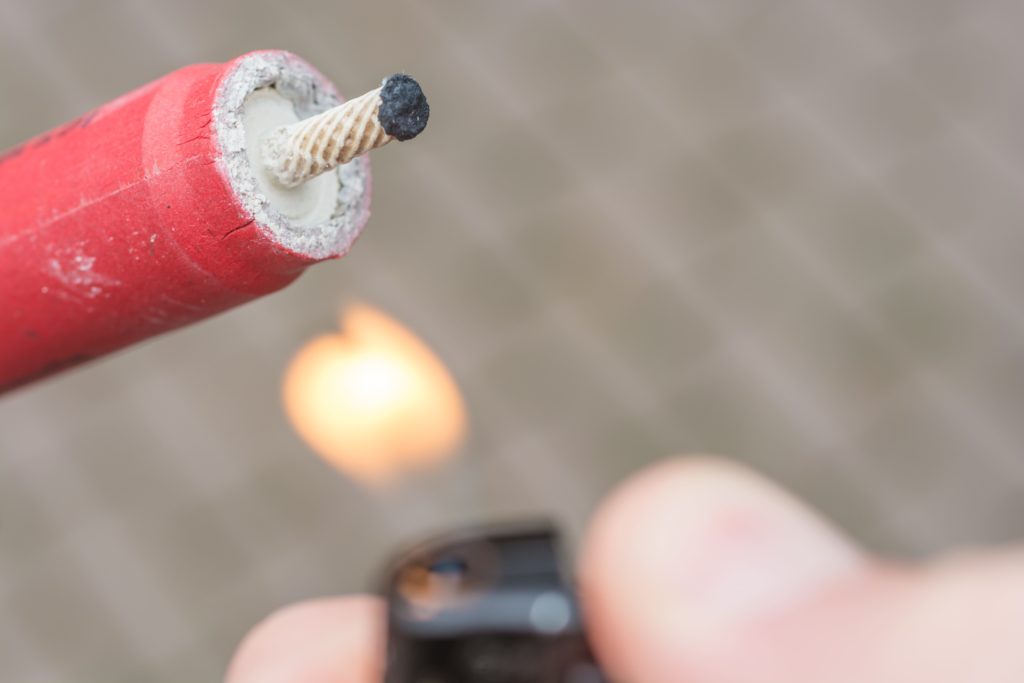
<point x="331" y="640"/>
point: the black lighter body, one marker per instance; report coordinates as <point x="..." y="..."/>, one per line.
<point x="486" y="606"/>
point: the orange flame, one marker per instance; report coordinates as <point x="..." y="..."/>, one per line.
<point x="374" y="400"/>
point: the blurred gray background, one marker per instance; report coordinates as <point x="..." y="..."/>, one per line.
<point x="788" y="232"/>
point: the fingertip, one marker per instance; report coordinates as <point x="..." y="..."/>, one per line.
<point x="331" y="640"/>
<point x="689" y="550"/>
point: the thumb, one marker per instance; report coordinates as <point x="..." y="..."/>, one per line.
<point x="699" y="571"/>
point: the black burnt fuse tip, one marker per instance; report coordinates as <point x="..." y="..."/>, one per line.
<point x="403" y="107"/>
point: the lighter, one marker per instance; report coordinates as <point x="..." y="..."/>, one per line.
<point x="486" y="606"/>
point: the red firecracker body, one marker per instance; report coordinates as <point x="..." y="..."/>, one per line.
<point x="123" y="224"/>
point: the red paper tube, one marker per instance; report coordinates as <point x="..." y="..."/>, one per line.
<point x="150" y="213"/>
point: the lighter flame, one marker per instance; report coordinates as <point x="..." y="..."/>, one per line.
<point x="374" y="401"/>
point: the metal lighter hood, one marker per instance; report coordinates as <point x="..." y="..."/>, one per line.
<point x="486" y="606"/>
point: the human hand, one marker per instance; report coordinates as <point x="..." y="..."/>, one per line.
<point x="699" y="571"/>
